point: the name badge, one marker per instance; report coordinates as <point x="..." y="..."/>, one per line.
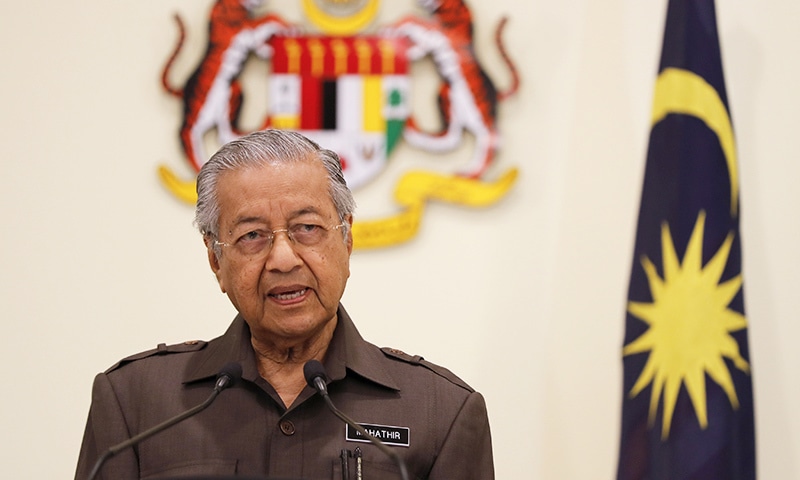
<point x="389" y="435"/>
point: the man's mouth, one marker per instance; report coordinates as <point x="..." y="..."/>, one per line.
<point x="283" y="296"/>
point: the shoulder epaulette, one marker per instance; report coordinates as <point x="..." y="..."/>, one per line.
<point x="162" y="349"/>
<point x="418" y="360"/>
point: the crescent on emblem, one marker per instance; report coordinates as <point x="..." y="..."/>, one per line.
<point x="683" y="92"/>
<point x="344" y="25"/>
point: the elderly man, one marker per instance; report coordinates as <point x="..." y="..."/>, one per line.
<point x="275" y="214"/>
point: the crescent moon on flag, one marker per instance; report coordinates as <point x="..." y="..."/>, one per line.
<point x="684" y="92"/>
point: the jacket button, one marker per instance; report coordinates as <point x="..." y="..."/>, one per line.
<point x="287" y="427"/>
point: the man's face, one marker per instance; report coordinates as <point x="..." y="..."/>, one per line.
<point x="288" y="291"/>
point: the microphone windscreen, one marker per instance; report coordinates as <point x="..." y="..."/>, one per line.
<point x="313" y="369"/>
<point x="233" y="371"/>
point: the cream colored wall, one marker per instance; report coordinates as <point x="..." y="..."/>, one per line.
<point x="525" y="300"/>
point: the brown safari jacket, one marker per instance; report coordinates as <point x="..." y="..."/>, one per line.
<point x="432" y="419"/>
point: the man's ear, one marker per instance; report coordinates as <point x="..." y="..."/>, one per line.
<point x="213" y="261"/>
<point x="349" y="240"/>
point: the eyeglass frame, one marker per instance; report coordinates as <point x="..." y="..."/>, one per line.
<point x="271" y="241"/>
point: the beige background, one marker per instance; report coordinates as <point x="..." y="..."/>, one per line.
<point x="525" y="300"/>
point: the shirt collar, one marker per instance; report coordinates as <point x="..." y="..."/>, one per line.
<point x="348" y="351"/>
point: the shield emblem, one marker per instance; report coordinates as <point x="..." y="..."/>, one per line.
<point x="350" y="94"/>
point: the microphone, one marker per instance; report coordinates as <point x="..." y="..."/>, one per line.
<point x="227" y="376"/>
<point x="316" y="378"/>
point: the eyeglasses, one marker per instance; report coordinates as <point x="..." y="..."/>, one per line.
<point x="258" y="242"/>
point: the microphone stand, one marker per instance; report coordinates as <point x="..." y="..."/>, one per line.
<point x="149" y="433"/>
<point x="315" y="377"/>
<point x="229" y="374"/>
<point x="381" y="446"/>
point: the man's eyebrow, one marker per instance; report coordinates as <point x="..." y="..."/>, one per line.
<point x="251" y="219"/>
<point x="257" y="219"/>
<point x="304" y="211"/>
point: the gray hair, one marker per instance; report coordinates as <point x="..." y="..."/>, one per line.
<point x="266" y="147"/>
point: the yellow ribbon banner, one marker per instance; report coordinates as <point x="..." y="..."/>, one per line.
<point x="185" y="190"/>
<point x="413" y="190"/>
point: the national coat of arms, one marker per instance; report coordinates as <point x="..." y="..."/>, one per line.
<point x="351" y="93"/>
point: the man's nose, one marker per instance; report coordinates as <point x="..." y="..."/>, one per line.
<point x="282" y="255"/>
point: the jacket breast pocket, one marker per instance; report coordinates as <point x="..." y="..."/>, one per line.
<point x="195" y="469"/>
<point x="370" y="470"/>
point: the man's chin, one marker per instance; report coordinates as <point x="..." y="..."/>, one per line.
<point x="298" y="326"/>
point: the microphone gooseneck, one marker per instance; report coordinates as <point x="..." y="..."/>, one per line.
<point x="227" y="377"/>
<point x="316" y="378"/>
